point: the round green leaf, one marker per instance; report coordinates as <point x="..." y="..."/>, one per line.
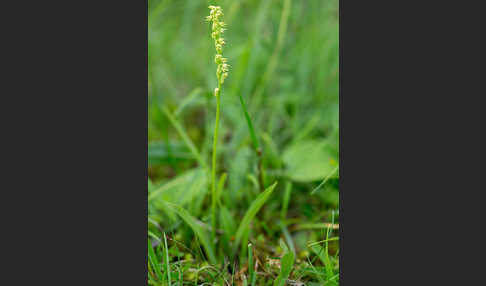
<point x="309" y="160"/>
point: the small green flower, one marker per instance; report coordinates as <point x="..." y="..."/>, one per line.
<point x="216" y="34"/>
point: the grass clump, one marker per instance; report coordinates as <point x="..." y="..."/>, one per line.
<point x="246" y="194"/>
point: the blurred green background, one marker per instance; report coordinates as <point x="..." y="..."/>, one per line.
<point x="290" y="85"/>
<point x="284" y="63"/>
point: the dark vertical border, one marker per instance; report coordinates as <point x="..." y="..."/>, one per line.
<point x="403" y="181"/>
<point x="79" y="144"/>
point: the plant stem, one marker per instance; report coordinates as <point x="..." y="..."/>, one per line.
<point x="213" y="176"/>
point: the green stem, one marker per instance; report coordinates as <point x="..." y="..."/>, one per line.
<point x="215" y="144"/>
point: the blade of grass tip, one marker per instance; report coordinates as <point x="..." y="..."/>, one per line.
<point x="250" y="214"/>
<point x="282" y="245"/>
<point x="307" y="128"/>
<point x="180" y="130"/>
<point x="325" y="180"/>
<point x="151" y="234"/>
<point x="153" y="261"/>
<point x="167" y="260"/>
<point x="286" y="265"/>
<point x="322" y="241"/>
<point x="253" y="180"/>
<point x="188" y="99"/>
<point x="287" y="236"/>
<point x="306" y="226"/>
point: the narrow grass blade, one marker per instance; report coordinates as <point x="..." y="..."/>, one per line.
<point x="180" y="130"/>
<point x="323" y="241"/>
<point x="329" y="264"/>
<point x="151" y="276"/>
<point x="171" y="184"/>
<point x="325" y="180"/>
<point x="167" y="260"/>
<point x="170" y="190"/>
<point x="318" y="274"/>
<point x="187" y="100"/>
<point x="250" y="214"/>
<point x="253" y="136"/>
<point x="287" y="236"/>
<point x="198" y="230"/>
<point x="153" y="261"/>
<point x="307" y="226"/>
<point x="286" y="265"/>
<point x="219" y="190"/>
<point x="319" y="252"/>
<point x="152" y="235"/>
<point x="286" y="199"/>
<point x="251" y="269"/>
<point x="323" y="253"/>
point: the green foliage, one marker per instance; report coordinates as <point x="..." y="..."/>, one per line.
<point x="280" y="97"/>
<point x="309" y="161"/>
<point x="195" y="225"/>
<point x="154" y="261"/>
<point x="286" y="263"/>
<point x="255" y="206"/>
